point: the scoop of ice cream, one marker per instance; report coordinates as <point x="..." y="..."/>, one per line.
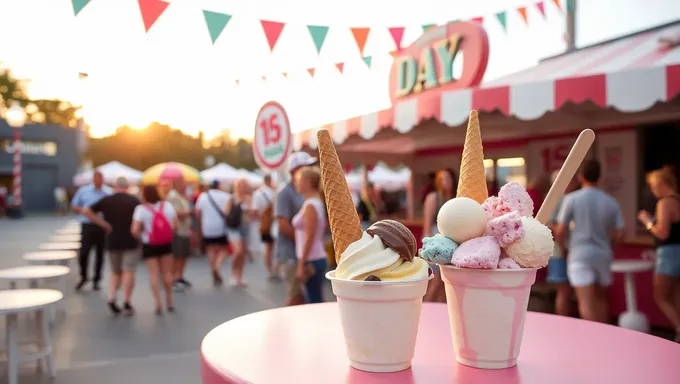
<point x="506" y="229"/>
<point x="492" y="207"/>
<point x="461" y="219"/>
<point x="479" y="253"/>
<point x="397" y="236"/>
<point x="438" y="249"/>
<point x="369" y="257"/>
<point x="513" y="197"/>
<point x="507" y="263"/>
<point x="536" y="246"/>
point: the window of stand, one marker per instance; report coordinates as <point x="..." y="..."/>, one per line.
<point x="505" y="170"/>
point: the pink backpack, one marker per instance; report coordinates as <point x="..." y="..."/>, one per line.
<point x="161" y="231"/>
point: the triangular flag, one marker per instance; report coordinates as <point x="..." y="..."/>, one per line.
<point x="557" y="4"/>
<point x="478" y="20"/>
<point x="428" y="26"/>
<point x="502" y="19"/>
<point x="78" y="6"/>
<point x="368" y="60"/>
<point x="151" y="10"/>
<point x="318" y="33"/>
<point x="311" y="71"/>
<point x="216" y="22"/>
<point x="397" y="35"/>
<point x="272" y="31"/>
<point x="570" y="5"/>
<point x="360" y="37"/>
<point x="284" y="74"/>
<point x="523" y="12"/>
<point x="541" y="7"/>
<point x="237" y="81"/>
<point x="340" y="66"/>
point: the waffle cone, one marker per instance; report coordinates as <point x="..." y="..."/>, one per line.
<point x="342" y="215"/>
<point x="472" y="181"/>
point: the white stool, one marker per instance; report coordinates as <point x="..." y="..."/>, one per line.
<point x="34" y="274"/>
<point x="63" y="246"/>
<point x="65" y="238"/>
<point x="67" y="231"/>
<point x="14" y="302"/>
<point x="50" y="257"/>
<point x="632" y="318"/>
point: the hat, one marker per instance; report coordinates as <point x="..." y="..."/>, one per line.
<point x="300" y="159"/>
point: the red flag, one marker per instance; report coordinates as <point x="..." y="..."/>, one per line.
<point x="348" y="168"/>
<point x="523" y="12"/>
<point x="478" y="20"/>
<point x="541" y="7"/>
<point x="340" y="66"/>
<point x="558" y="5"/>
<point x="311" y="71"/>
<point x="397" y="35"/>
<point x="272" y="31"/>
<point x="151" y="10"/>
<point x="360" y="37"/>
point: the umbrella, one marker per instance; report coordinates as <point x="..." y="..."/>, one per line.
<point x="170" y="171"/>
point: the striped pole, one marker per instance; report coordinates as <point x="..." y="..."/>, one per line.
<point x="16" y="170"/>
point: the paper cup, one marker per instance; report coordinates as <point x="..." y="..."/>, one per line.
<point x="380" y="321"/>
<point x="487" y="309"/>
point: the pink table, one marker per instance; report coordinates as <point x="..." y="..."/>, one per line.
<point x="305" y="345"/>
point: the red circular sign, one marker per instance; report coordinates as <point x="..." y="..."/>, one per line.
<point x="272" y="141"/>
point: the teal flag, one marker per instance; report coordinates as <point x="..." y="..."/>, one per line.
<point x="368" y="60"/>
<point x="570" y="5"/>
<point x="318" y="33"/>
<point x="427" y="26"/>
<point x="216" y="23"/>
<point x="501" y="16"/>
<point x="78" y="5"/>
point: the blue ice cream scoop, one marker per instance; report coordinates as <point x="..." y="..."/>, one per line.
<point x="438" y="249"/>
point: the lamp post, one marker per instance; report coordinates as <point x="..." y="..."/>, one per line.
<point x="16" y="118"/>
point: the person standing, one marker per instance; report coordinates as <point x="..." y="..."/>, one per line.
<point x="288" y="204"/>
<point x="263" y="207"/>
<point x="153" y="223"/>
<point x="213" y="227"/>
<point x="181" y="244"/>
<point x="92" y="235"/>
<point x="237" y="211"/>
<point x="61" y="200"/>
<point x="598" y="226"/>
<point x="370" y="207"/>
<point x="665" y="227"/>
<point x="123" y="248"/>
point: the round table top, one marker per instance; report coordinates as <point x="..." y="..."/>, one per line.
<point x="66" y="238"/>
<point x="32" y="272"/>
<point x="305" y="344"/>
<point x="68" y="231"/>
<point x="61" y="246"/>
<point x="632" y="265"/>
<point x="50" y="255"/>
<point x="25" y="300"/>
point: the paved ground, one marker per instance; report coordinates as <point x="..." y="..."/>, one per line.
<point x="93" y="347"/>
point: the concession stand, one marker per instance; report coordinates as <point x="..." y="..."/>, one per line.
<point x="624" y="89"/>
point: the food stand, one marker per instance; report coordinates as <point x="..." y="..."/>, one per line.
<point x="529" y="119"/>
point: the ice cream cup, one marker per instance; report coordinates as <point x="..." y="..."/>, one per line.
<point x="380" y="321"/>
<point x="487" y="309"/>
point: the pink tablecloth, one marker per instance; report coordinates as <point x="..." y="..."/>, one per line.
<point x="305" y="345"/>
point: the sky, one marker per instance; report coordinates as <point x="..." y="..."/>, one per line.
<point x="174" y="75"/>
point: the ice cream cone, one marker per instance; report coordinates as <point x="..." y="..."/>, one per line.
<point x="342" y="215"/>
<point x="472" y="180"/>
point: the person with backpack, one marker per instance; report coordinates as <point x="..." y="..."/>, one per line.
<point x="154" y="223"/>
<point x="238" y="213"/>
<point x="263" y="207"/>
<point x="213" y="224"/>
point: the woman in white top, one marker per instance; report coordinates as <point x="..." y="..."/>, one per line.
<point x="310" y="224"/>
<point x="153" y="222"/>
<point x="238" y="228"/>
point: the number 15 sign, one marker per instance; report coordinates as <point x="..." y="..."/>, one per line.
<point x="273" y="139"/>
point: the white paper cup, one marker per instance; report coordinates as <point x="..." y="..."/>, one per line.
<point x="487" y="309"/>
<point x="380" y="321"/>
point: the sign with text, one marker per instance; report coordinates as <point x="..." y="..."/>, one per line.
<point x="39" y="148"/>
<point x="272" y="141"/>
<point x="428" y="63"/>
<point x="545" y="156"/>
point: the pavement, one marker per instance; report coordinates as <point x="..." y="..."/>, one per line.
<point x="91" y="346"/>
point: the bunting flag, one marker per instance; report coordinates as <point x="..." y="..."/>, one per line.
<point x="272" y="31"/>
<point x="340" y="66"/>
<point x="151" y="10"/>
<point x="478" y="20"/>
<point x="570" y="5"/>
<point x="397" y="35"/>
<point x="216" y="22"/>
<point x="311" y="71"/>
<point x="557" y="4"/>
<point x="318" y="33"/>
<point x="541" y="8"/>
<point x="394" y="53"/>
<point x="360" y="37"/>
<point x="501" y="16"/>
<point x="428" y="26"/>
<point x="78" y="6"/>
<point x="368" y="60"/>
<point x="523" y="12"/>
<point x="82" y="75"/>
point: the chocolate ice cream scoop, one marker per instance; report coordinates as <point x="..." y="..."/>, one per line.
<point x="396" y="236"/>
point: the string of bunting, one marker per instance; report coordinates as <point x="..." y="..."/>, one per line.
<point x="217" y="22"/>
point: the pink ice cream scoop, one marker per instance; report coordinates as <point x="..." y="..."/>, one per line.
<point x="478" y="253"/>
<point x="513" y="197"/>
<point x="506" y="229"/>
<point x="492" y="207"/>
<point x="507" y="263"/>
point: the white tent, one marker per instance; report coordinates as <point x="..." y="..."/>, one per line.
<point x="382" y="177"/>
<point x="111" y="171"/>
<point x="225" y="173"/>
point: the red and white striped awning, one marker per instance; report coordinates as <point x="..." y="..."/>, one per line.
<point x="630" y="74"/>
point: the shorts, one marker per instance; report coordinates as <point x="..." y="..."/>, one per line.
<point x="181" y="247"/>
<point x="582" y="273"/>
<point x="123" y="261"/>
<point x="293" y="286"/>
<point x="557" y="270"/>
<point x="668" y="260"/>
<point x="151" y="251"/>
<point x="267" y="238"/>
<point x="220" y="240"/>
<point x="240" y="233"/>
